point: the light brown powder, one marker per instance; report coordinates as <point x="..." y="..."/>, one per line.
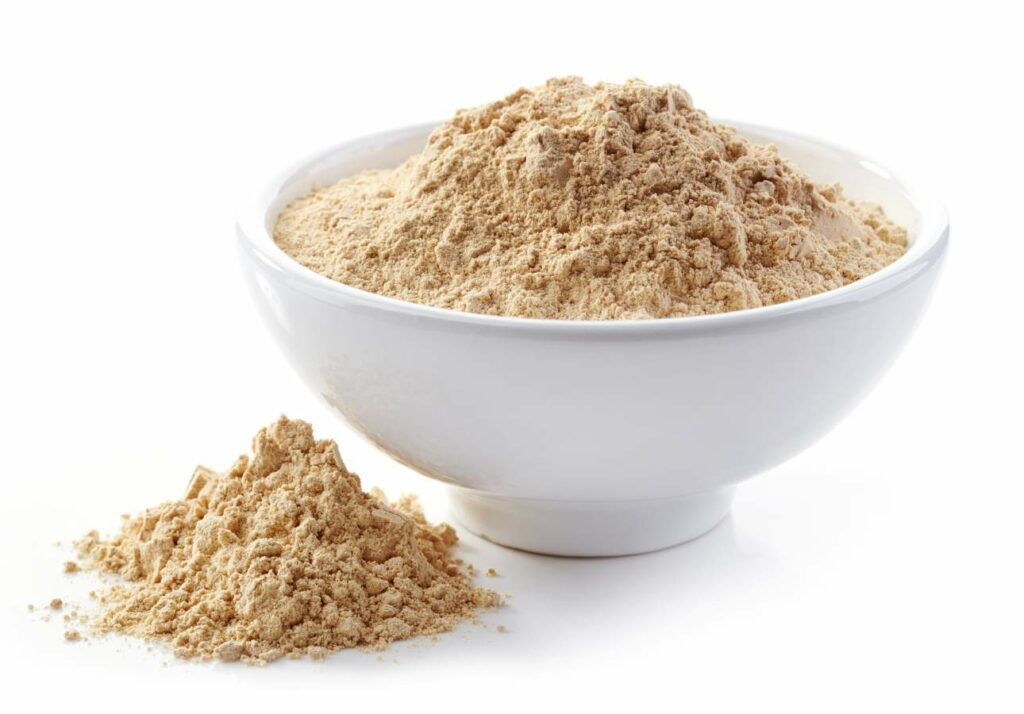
<point x="284" y="554"/>
<point x="572" y="201"/>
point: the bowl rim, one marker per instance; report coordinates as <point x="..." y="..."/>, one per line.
<point x="927" y="247"/>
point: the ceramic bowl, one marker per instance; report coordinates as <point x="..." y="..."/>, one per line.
<point x="591" y="438"/>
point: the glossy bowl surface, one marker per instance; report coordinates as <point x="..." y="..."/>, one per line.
<point x="591" y="437"/>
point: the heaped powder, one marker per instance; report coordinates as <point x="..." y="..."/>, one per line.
<point x="284" y="554"/>
<point x="572" y="201"/>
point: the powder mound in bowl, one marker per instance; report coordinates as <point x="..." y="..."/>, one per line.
<point x="284" y="554"/>
<point x="572" y="201"/>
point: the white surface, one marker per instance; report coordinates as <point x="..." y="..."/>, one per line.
<point x="633" y="429"/>
<point x="878" y="571"/>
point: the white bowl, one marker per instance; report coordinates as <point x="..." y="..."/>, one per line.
<point x="589" y="437"/>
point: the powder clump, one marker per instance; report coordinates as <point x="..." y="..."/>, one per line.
<point x="283" y="554"/>
<point x="571" y="201"/>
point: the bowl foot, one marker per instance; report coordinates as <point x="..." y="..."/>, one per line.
<point x="590" y="528"/>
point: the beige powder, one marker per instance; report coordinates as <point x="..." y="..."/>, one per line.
<point x="284" y="554"/>
<point x="572" y="201"/>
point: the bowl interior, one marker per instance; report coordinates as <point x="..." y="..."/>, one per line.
<point x="861" y="177"/>
<point x="384" y="151"/>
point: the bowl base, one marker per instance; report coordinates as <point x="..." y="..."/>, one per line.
<point x="590" y="528"/>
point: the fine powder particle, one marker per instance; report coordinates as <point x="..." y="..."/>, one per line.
<point x="284" y="554"/>
<point x="572" y="201"/>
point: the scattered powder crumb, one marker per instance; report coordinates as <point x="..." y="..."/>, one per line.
<point x="56" y="604"/>
<point x="72" y="635"/>
<point x="501" y="628"/>
<point x="229" y="651"/>
<point x="31" y="607"/>
<point x="282" y="555"/>
<point x="71" y="566"/>
<point x="491" y="572"/>
<point x="571" y="201"/>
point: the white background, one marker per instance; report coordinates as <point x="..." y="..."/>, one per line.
<point x="880" y="570"/>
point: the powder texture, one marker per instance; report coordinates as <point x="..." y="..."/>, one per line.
<point x="572" y="201"/>
<point x="284" y="554"/>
